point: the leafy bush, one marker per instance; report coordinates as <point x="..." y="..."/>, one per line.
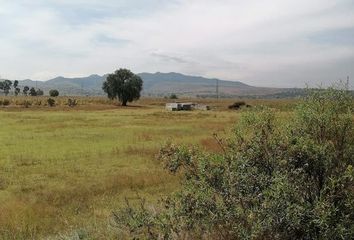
<point x="6" y="102"/>
<point x="72" y="102"/>
<point x="237" y="105"/>
<point x="274" y="180"/>
<point x="173" y="96"/>
<point x="51" y="102"/>
<point x="54" y="93"/>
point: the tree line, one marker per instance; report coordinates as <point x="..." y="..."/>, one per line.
<point x="7" y="86"/>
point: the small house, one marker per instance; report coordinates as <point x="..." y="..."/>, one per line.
<point x="173" y="106"/>
<point x="186" y="106"/>
<point x="202" y="107"/>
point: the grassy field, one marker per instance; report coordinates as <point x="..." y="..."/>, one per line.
<point x="63" y="170"/>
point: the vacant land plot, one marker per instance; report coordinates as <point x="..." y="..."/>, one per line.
<point x="63" y="172"/>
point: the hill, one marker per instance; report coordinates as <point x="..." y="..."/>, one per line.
<point x="161" y="84"/>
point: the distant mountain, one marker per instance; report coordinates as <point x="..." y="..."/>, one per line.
<point x="155" y="80"/>
<point x="159" y="84"/>
<point x="91" y="85"/>
<point x="167" y="83"/>
<point x="92" y="81"/>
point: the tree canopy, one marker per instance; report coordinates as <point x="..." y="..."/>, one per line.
<point x="25" y="90"/>
<point x="33" y="92"/>
<point x="123" y="85"/>
<point x="53" y="93"/>
<point x="6" y="86"/>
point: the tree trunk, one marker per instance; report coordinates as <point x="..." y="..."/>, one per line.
<point x="124" y="103"/>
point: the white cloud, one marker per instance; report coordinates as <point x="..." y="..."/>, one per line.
<point x="251" y="41"/>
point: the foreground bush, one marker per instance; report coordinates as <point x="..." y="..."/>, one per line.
<point x="273" y="180"/>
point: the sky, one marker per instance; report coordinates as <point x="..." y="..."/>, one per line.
<point x="273" y="43"/>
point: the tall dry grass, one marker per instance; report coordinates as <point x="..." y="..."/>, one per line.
<point x="63" y="170"/>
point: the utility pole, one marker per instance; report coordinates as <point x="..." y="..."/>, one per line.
<point x="217" y="89"/>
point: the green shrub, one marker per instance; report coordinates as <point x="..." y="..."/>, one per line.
<point x="274" y="180"/>
<point x="237" y="105"/>
<point x="173" y="96"/>
<point x="53" y="93"/>
<point x="51" y="102"/>
<point x="72" y="102"/>
<point x="5" y="102"/>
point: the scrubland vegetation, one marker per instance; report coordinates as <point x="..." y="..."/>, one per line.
<point x="273" y="179"/>
<point x="252" y="173"/>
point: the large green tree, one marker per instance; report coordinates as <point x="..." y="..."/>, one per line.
<point x="6" y="86"/>
<point x="123" y="85"/>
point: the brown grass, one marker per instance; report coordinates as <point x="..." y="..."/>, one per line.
<point x="102" y="103"/>
<point x="64" y="169"/>
<point x="210" y="144"/>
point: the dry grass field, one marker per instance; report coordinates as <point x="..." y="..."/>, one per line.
<point x="63" y="170"/>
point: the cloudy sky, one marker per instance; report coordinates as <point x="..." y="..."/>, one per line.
<point x="282" y="43"/>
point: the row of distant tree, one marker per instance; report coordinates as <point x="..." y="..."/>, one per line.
<point x="8" y="86"/>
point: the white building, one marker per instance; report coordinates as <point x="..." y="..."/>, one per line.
<point x="173" y="106"/>
<point x="185" y="106"/>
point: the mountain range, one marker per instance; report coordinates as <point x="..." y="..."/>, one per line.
<point x="162" y="84"/>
